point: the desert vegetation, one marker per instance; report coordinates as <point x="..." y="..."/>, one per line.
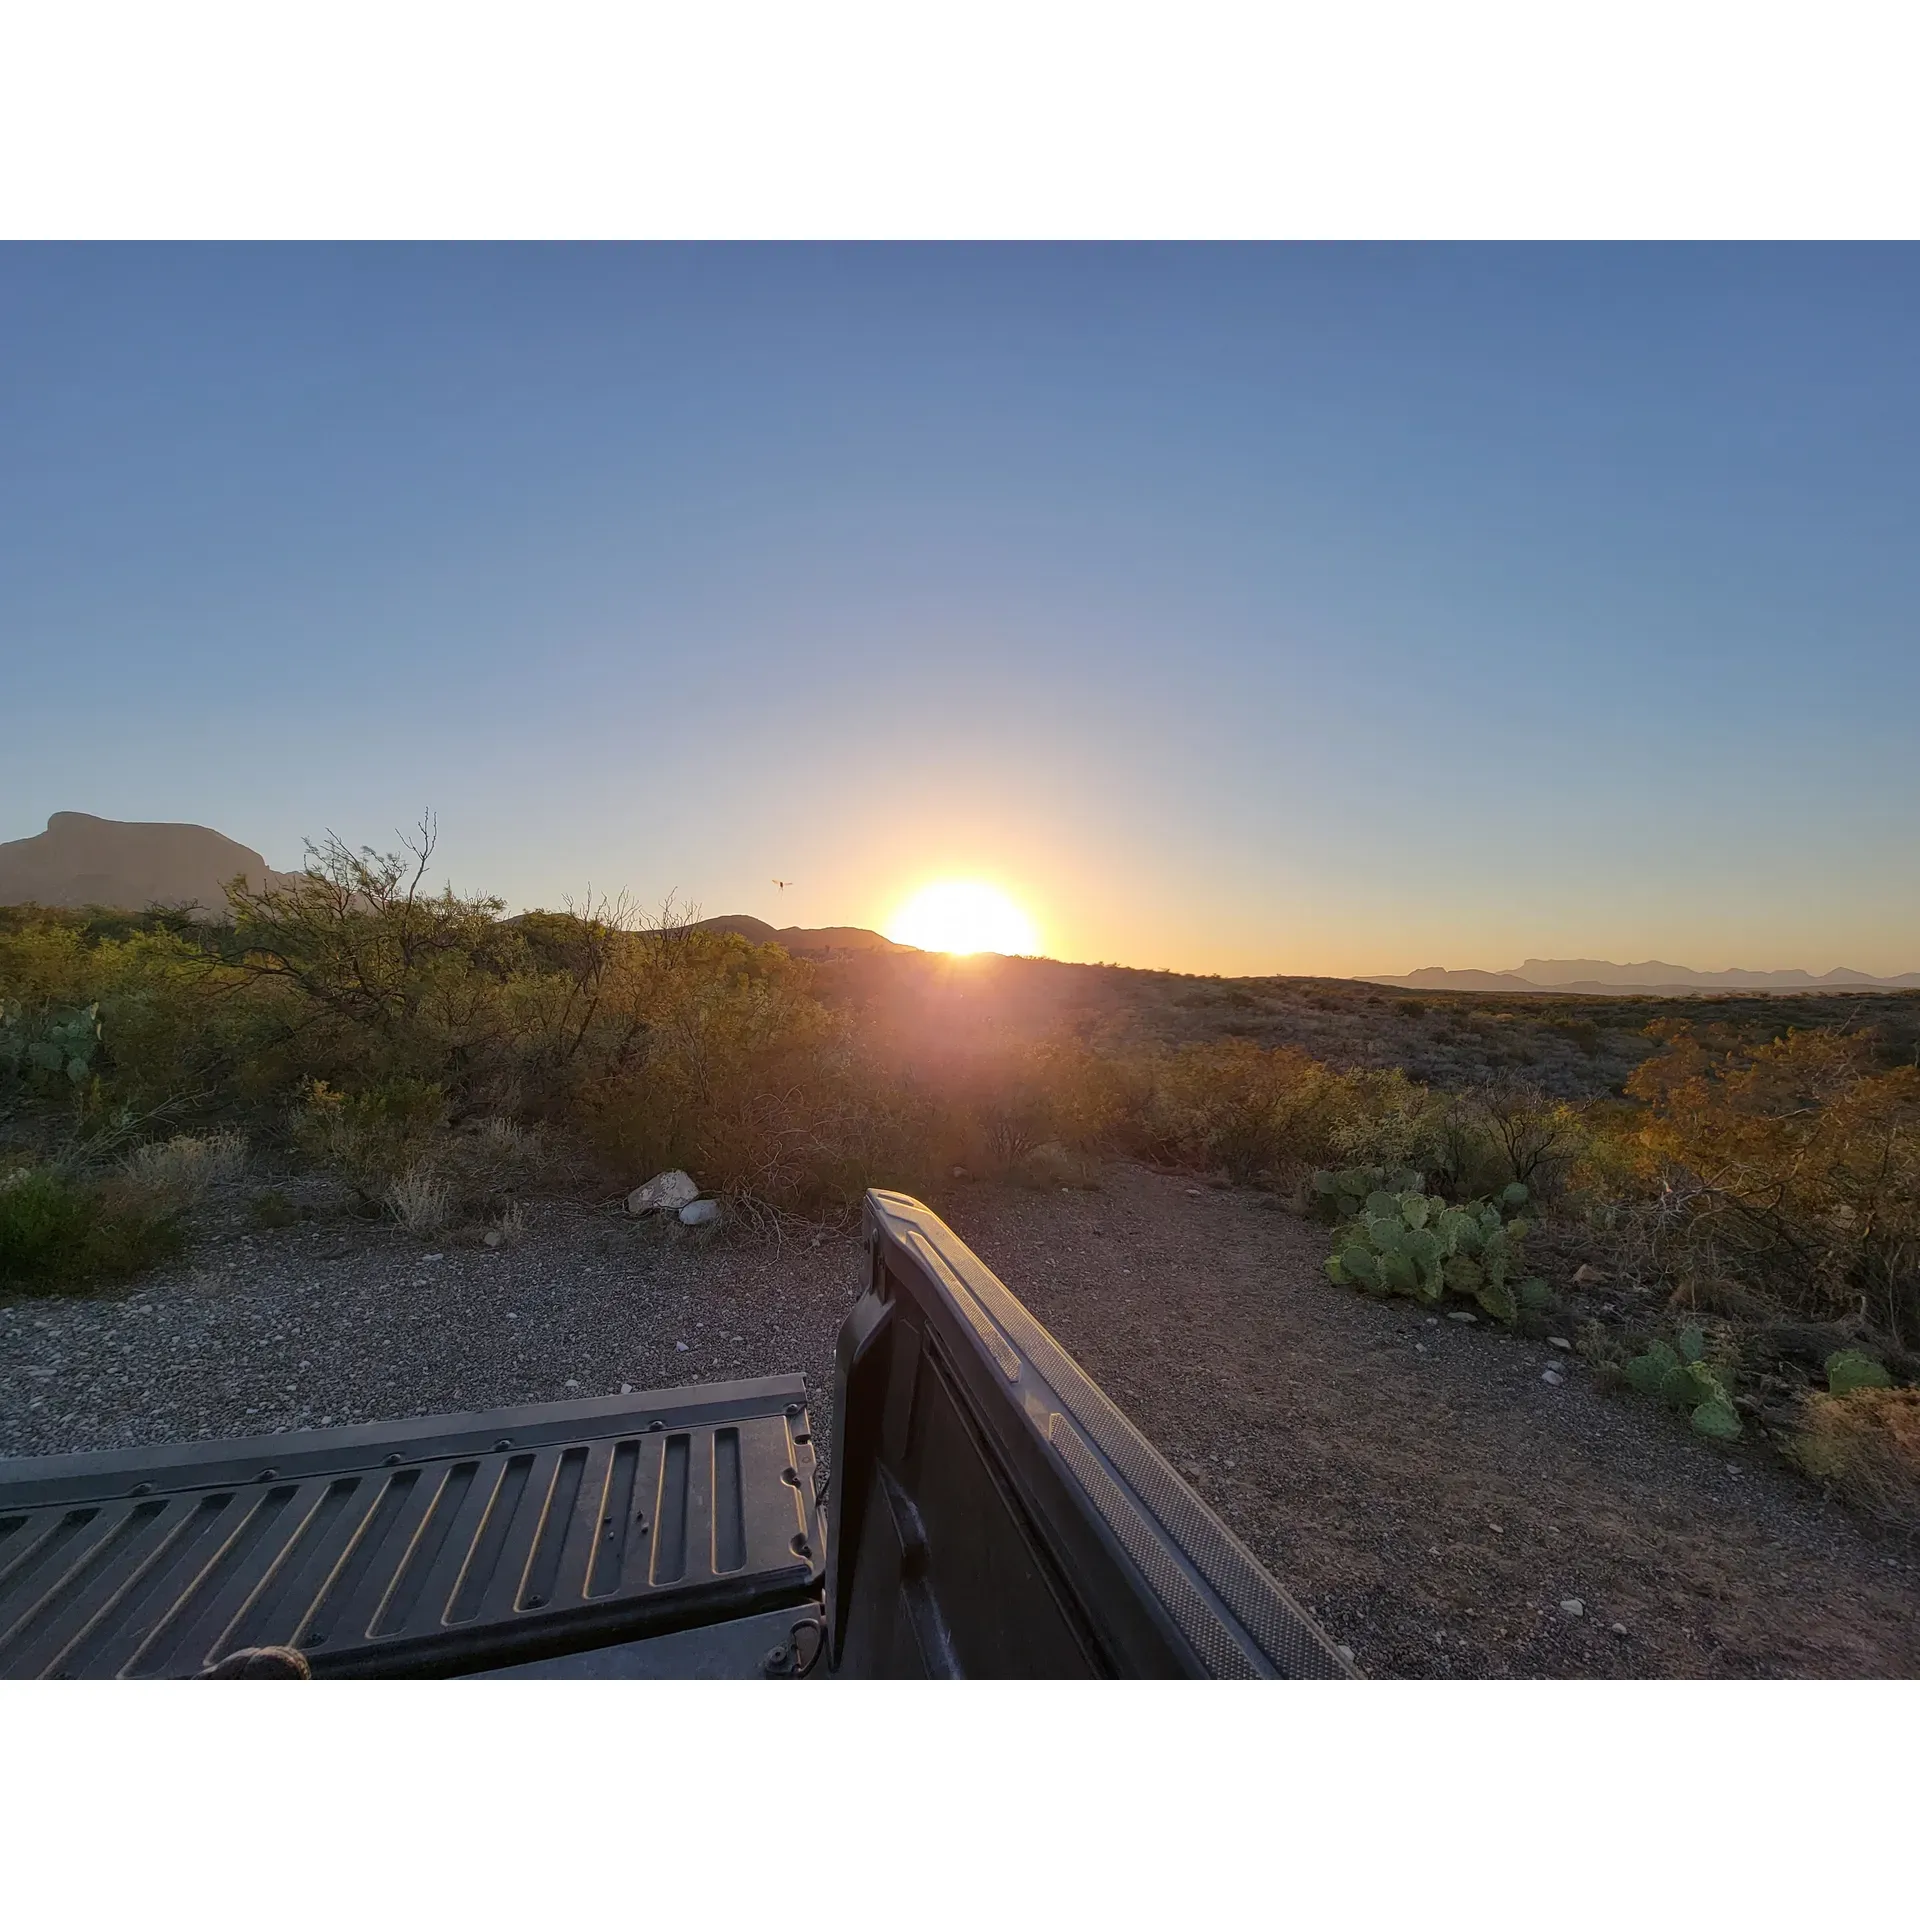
<point x="1718" y="1202"/>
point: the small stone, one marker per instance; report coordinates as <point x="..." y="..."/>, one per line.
<point x="1585" y="1276"/>
<point x="1432" y="1320"/>
<point x="572" y="1386"/>
<point x="1561" y="1341"/>
<point x="1619" y="1629"/>
<point x="1194" y="1193"/>
<point x="700" y="1213"/>
<point x="1577" y="1608"/>
<point x="493" y="1237"/>
<point x="1345" y="1652"/>
<point x="664" y="1190"/>
<point x="1465" y="1319"/>
<point x="1495" y="1526"/>
<point x="680" y="1346"/>
<point x="1419" y="1346"/>
<point x="626" y="1386"/>
<point x="1554" y="1379"/>
<point x="958" y="1173"/>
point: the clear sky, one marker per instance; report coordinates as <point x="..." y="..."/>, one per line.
<point x="1294" y="609"/>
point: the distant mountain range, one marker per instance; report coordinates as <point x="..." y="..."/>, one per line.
<point x="84" y="861"/>
<point x="1612" y="978"/>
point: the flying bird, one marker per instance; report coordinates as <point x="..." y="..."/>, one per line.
<point x="783" y="884"/>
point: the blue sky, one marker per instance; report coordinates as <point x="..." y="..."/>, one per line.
<point x="1307" y="609"/>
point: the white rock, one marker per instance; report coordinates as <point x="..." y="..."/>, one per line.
<point x="1554" y="1379"/>
<point x="572" y="1386"/>
<point x="673" y="1189"/>
<point x="679" y="1346"/>
<point x="425" y="1257"/>
<point x="1619" y="1629"/>
<point x="493" y="1237"/>
<point x="1559" y="1340"/>
<point x="1577" y="1608"/>
<point x="626" y="1386"/>
<point x="1465" y="1319"/>
<point x="700" y="1213"/>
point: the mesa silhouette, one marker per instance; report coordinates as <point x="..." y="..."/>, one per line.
<point x="84" y="861"/>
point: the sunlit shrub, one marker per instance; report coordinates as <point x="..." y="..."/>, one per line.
<point x="1866" y="1445"/>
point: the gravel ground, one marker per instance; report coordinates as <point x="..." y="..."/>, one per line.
<point x="1414" y="1481"/>
<point x="342" y="1320"/>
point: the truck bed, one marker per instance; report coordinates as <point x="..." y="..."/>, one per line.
<point x="421" y="1547"/>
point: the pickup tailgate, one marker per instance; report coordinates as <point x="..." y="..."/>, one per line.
<point x="437" y="1546"/>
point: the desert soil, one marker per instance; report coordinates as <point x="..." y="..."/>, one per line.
<point x="1415" y="1482"/>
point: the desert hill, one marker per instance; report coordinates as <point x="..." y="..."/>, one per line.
<point x="84" y="861"/>
<point x="803" y="939"/>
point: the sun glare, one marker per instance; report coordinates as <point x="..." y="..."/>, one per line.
<point x="963" y="916"/>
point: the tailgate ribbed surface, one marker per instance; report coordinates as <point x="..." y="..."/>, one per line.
<point x="415" y="1547"/>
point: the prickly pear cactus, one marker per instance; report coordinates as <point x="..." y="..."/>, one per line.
<point x="1680" y="1376"/>
<point x="1340" y="1196"/>
<point x="1850" y="1370"/>
<point x="60" y="1045"/>
<point x="1403" y="1241"/>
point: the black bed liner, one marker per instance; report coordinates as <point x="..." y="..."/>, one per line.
<point x="434" y="1546"/>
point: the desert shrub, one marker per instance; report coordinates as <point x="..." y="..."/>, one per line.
<point x="420" y="1202"/>
<point x="373" y="1138"/>
<point x="1794" y="1164"/>
<point x="1240" y="1108"/>
<point x="181" y="1171"/>
<point x="1492" y="1136"/>
<point x="1374" y="1117"/>
<point x="271" y="1210"/>
<point x="1866" y="1445"/>
<point x="59" y="1235"/>
<point x="1053" y="1165"/>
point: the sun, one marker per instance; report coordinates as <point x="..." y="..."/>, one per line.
<point x="963" y="916"/>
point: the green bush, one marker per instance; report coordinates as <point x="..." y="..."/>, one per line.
<point x="63" y="1236"/>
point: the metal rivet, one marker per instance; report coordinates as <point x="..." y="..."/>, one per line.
<point x="803" y="1546"/>
<point x="791" y="1476"/>
<point x="503" y="1446"/>
<point x="145" y="1486"/>
<point x="392" y="1460"/>
<point x="656" y="1426"/>
<point x="794" y="1408"/>
<point x="266" y="1473"/>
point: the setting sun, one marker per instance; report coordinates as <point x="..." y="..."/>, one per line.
<point x="963" y="916"/>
